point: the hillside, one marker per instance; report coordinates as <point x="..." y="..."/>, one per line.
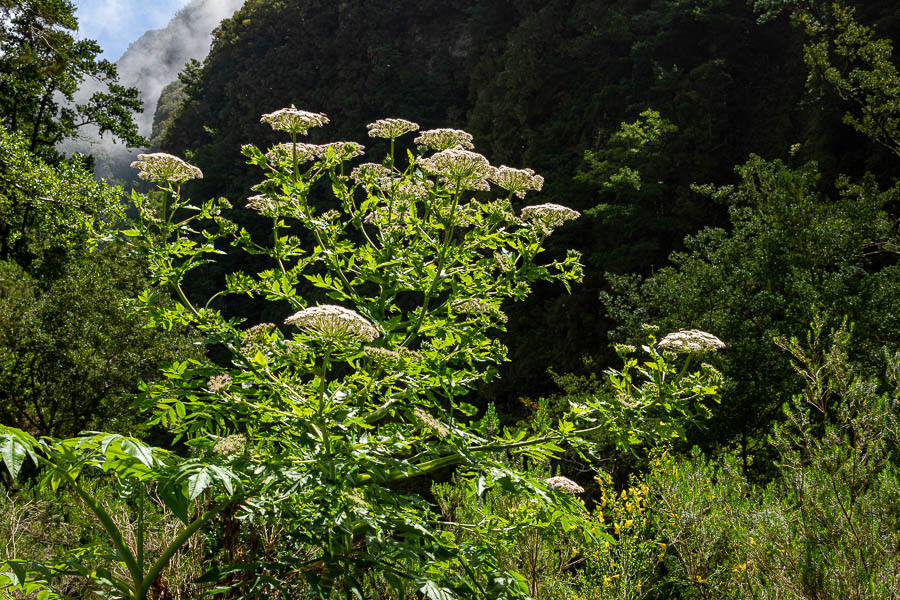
<point x="538" y="84"/>
<point x="152" y="62"/>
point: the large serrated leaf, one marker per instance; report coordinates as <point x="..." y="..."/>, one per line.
<point x="13" y="451"/>
<point x="138" y="451"/>
<point x="198" y="482"/>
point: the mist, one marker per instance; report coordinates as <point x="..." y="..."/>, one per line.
<point x="150" y="63"/>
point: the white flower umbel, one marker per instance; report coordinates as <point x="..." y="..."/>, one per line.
<point x="369" y="172"/>
<point x="552" y="215"/>
<point x="460" y="167"/>
<point x="380" y="355"/>
<point x="445" y="139"/>
<point x="564" y="484"/>
<point x="287" y="152"/>
<point x="478" y="307"/>
<point x="342" y="150"/>
<point x="233" y="444"/>
<point x="429" y="422"/>
<point x="262" y="204"/>
<point x="330" y="323"/>
<point x="691" y="340"/>
<point x="517" y="181"/>
<point x="391" y="128"/>
<point x="163" y="167"/>
<point x="293" y="120"/>
<point x="219" y="383"/>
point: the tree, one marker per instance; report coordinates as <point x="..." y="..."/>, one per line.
<point x="42" y="66"/>
<point x="46" y="211"/>
<point x="71" y="353"/>
<point x="792" y="254"/>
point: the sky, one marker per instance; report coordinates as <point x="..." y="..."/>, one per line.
<point x="117" y="23"/>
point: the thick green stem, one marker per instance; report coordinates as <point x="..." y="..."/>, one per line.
<point x="440" y="267"/>
<point x="180" y="540"/>
<point x="106" y="521"/>
<point x="326" y="435"/>
<point x="140" y="530"/>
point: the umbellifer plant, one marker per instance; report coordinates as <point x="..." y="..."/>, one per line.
<point x="324" y="421"/>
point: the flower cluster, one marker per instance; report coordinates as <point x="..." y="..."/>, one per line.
<point x="478" y="307"/>
<point x="369" y="172"/>
<point x="550" y="215"/>
<point x="691" y="340"/>
<point x="389" y="218"/>
<point x="429" y="422"/>
<point x="564" y="484"/>
<point x="331" y="323"/>
<point x="380" y="355"/>
<point x="342" y="150"/>
<point x="262" y="204"/>
<point x="458" y="167"/>
<point x="445" y="139"/>
<point x="293" y="120"/>
<point x="232" y="444"/>
<point x="163" y="167"/>
<point x="218" y="383"/>
<point x="516" y="181"/>
<point x="411" y="191"/>
<point x="287" y="152"/>
<point x="391" y="128"/>
<point x="257" y="338"/>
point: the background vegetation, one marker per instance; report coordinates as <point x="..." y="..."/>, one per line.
<point x="734" y="163"/>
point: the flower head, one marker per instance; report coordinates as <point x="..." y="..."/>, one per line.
<point x="332" y="323"/>
<point x="460" y="167"/>
<point x="232" y="444"/>
<point x="380" y="355"/>
<point x="286" y="152"/>
<point x="549" y="215"/>
<point x="342" y="150"/>
<point x="691" y="340"/>
<point x="368" y="172"/>
<point x="564" y="484"/>
<point x="429" y="422"/>
<point x="257" y="338"/>
<point x="391" y="128"/>
<point x="262" y="204"/>
<point x="444" y="139"/>
<point x="293" y="120"/>
<point x="160" y="166"/>
<point x="218" y="383"/>
<point x="517" y="181"/>
<point x="478" y="307"/>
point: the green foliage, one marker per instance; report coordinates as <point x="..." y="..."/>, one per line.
<point x="845" y="56"/>
<point x="47" y="211"/>
<point x="792" y="253"/>
<point x="826" y="527"/>
<point x="316" y="430"/>
<point x="71" y="354"/>
<point x="649" y="401"/>
<point x="616" y="167"/>
<point x="170" y="101"/>
<point x="43" y="66"/>
<point x="143" y="475"/>
<point x="539" y="83"/>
